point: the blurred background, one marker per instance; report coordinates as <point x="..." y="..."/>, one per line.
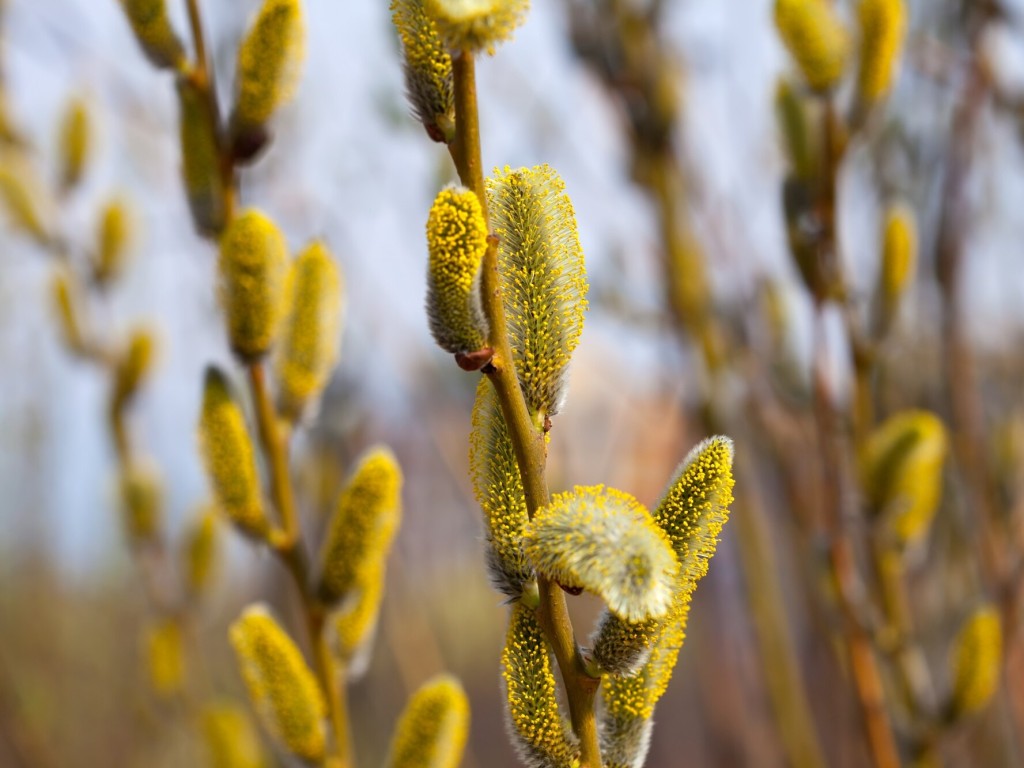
<point x="661" y="117"/>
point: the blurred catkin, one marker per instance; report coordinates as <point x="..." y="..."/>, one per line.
<point x="499" y="491"/>
<point x="269" y="62"/>
<point x="141" y="490"/>
<point x="798" y="135"/>
<point x="977" y="660"/>
<point x="432" y="731"/>
<point x="538" y="730"/>
<point x="456" y="244"/>
<point x="22" y="197"/>
<point x="355" y="622"/>
<point x="364" y="523"/>
<point x="816" y="39"/>
<point x="311" y="336"/>
<point x="74" y="144"/>
<point x="882" y="29"/>
<point x="133" y="365"/>
<point x="606" y="542"/>
<point x="113" y="238"/>
<point x="201" y="159"/>
<point x="165" y="657"/>
<point x="231" y="741"/>
<point x="283" y="690"/>
<point x="899" y="254"/>
<point x="228" y="456"/>
<point x="66" y="309"/>
<point x="200" y="553"/>
<point x="902" y="472"/>
<point x="477" y="25"/>
<point x="428" y="69"/>
<point x="253" y="269"/>
<point x="153" y="30"/>
<point x="543" y="280"/>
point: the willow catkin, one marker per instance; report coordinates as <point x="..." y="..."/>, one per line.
<point x="606" y="542"/>
<point x="269" y="62"/>
<point x="153" y="30"/>
<point x="66" y="309"/>
<point x="253" y="267"/>
<point x="816" y="39"/>
<point x="283" y="690"/>
<point x="427" y="66"/>
<point x="432" y="731"/>
<point x="200" y="554"/>
<point x="882" y="30"/>
<point x="141" y="490"/>
<point x="201" y="170"/>
<point x="899" y="253"/>
<point x="311" y="335"/>
<point x="355" y="622"/>
<point x="228" y="457"/>
<point x="977" y="660"/>
<point x="113" y="240"/>
<point x="230" y="738"/>
<point x="133" y="365"/>
<point x="74" y="143"/>
<point x="477" y="25"/>
<point x="165" y="657"/>
<point x="23" y="199"/>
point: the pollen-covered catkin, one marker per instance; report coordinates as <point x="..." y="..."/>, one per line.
<point x="432" y="731"/>
<point x="311" y="335"/>
<point x="543" y="280"/>
<point x="477" y="25"/>
<point x="428" y="69"/>
<point x="75" y="141"/>
<point x="231" y="741"/>
<point x="538" y="729"/>
<point x="355" y="622"/>
<point x="200" y="552"/>
<point x="364" y="523"/>
<point x="283" y="690"/>
<point x="816" y="39"/>
<point x="606" y="542"/>
<point x="269" y="62"/>
<point x="141" y="490"/>
<point x="882" y="28"/>
<point x="228" y="457"/>
<point x="977" y="659"/>
<point x="456" y="244"/>
<point x="498" y="486"/>
<point x="200" y="159"/>
<point x="153" y="30"/>
<point x="165" y="657"/>
<point x="253" y="269"/>
<point x="902" y="471"/>
<point x="113" y="238"/>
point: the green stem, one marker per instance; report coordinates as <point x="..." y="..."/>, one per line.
<point x="527" y="440"/>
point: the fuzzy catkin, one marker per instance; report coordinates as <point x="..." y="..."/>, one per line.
<point x="269" y="62"/>
<point x="899" y="251"/>
<point x="231" y="741"/>
<point x="364" y="523"/>
<point x="282" y="688"/>
<point x="606" y="542"/>
<point x="200" y="553"/>
<point x="141" y="490"/>
<point x="22" y="197"/>
<point x="75" y="141"/>
<point x="253" y="267"/>
<point x="165" y="656"/>
<point x="113" y="237"/>
<point x="882" y="29"/>
<point x="535" y="722"/>
<point x="355" y="622"/>
<point x="816" y="39"/>
<point x="456" y="244"/>
<point x="66" y="309"/>
<point x="133" y="366"/>
<point x="543" y="279"/>
<point x="427" y="66"/>
<point x="498" y="486"/>
<point x="153" y="30"/>
<point x="228" y="456"/>
<point x="201" y="170"/>
<point x="477" y="25"/>
<point x="311" y="335"/>
<point x="432" y="731"/>
<point x="976" y="662"/>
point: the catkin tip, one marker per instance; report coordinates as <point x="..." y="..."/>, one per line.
<point x="477" y="25"/>
<point x="269" y="63"/>
<point x="816" y="39"/>
<point x="432" y="730"/>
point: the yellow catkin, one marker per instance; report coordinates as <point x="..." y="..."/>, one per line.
<point x="200" y="553"/>
<point x="165" y="657"/>
<point x="606" y="542"/>
<point x="456" y="244"/>
<point x="283" y="690"/>
<point x="543" y="280"/>
<point x="113" y="239"/>
<point x="428" y="69"/>
<point x="902" y="472"/>
<point x="133" y="365"/>
<point x="882" y="29"/>
<point x="230" y="738"/>
<point x="269" y="62"/>
<point x="153" y="30"/>
<point x="899" y="252"/>
<point x="74" y="143"/>
<point x="432" y="731"/>
<point x="535" y="722"/>
<point x="364" y="523"/>
<point x="253" y="269"/>
<point x="311" y="336"/>
<point x="794" y="120"/>
<point x="142" y="491"/>
<point x="200" y="159"/>
<point x="22" y="196"/>
<point x="355" y="622"/>
<point x="228" y="457"/>
<point x="499" y="491"/>
<point x="816" y="39"/>
<point x="66" y="310"/>
<point x="977" y="659"/>
<point x="477" y="25"/>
